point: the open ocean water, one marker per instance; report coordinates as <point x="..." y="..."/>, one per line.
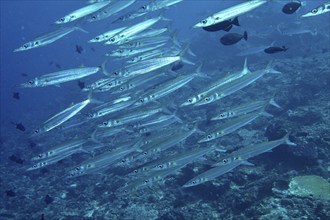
<point x="229" y="121"/>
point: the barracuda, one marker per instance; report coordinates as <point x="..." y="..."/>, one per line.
<point x="230" y="126"/>
<point x="110" y="10"/>
<point x="208" y="89"/>
<point x="59" y="77"/>
<point x="133" y="30"/>
<point x="48" y="38"/>
<point x="128" y="52"/>
<point x="248" y="152"/>
<point x="235" y="85"/>
<point x="321" y="9"/>
<point x="82" y="12"/>
<point x="245" y="108"/>
<point x="106" y="35"/>
<point x="215" y="172"/>
<point x="230" y="13"/>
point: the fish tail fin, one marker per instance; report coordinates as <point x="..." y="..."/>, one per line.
<point x="182" y="53"/>
<point x="287" y="140"/>
<point x="235" y="21"/>
<point x="245" y="67"/>
<point x="303" y="3"/>
<point x="245" y="35"/>
<point x="247" y="163"/>
<point x="314" y="32"/>
<point x="270" y="69"/>
<point x="103" y="69"/>
<point x="266" y="114"/>
<point x="93" y="138"/>
<point x="174" y="38"/>
<point x="77" y="27"/>
<point x="273" y="103"/>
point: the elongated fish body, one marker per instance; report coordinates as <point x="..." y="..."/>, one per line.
<point x="145" y="34"/>
<point x="155" y="121"/>
<point x="48" y="38"/>
<point x="230" y="13"/>
<point x="128" y="52"/>
<point x="110" y="82"/>
<point x="131" y="117"/>
<point x="182" y="159"/>
<point x="111" y="107"/>
<point x="234" y="86"/>
<point x="135" y="82"/>
<point x="146" y="56"/>
<point x="244" y="109"/>
<point x="146" y="66"/>
<point x="157" y="5"/>
<point x="324" y="8"/>
<point x="106" y="35"/>
<point x="213" y="86"/>
<point x="215" y="172"/>
<point x="229" y="127"/>
<point x="109" y="10"/>
<point x="157" y="124"/>
<point x="169" y="142"/>
<point x="100" y="134"/>
<point x="256" y="149"/>
<point x="59" y="77"/>
<point x="102" y="162"/>
<point x="165" y="88"/>
<point x="52" y="160"/>
<point x="59" y="150"/>
<point x="148" y="41"/>
<point x="82" y="12"/>
<point x="133" y="30"/>
<point x="62" y="117"/>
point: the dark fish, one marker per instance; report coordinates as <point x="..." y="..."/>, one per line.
<point x="271" y="50"/>
<point x="10" y="193"/>
<point x="16" y="95"/>
<point x="233" y="38"/>
<point x="81" y="84"/>
<point x="225" y="25"/>
<point x="16" y="159"/>
<point x="291" y="7"/>
<point x="19" y="126"/>
<point x="24" y="74"/>
<point x="58" y="66"/>
<point x="48" y="199"/>
<point x="79" y="49"/>
<point x="177" y="66"/>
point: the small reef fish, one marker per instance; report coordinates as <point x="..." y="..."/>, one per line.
<point x="233" y="38"/>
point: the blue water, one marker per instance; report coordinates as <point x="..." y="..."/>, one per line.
<point x="302" y="90"/>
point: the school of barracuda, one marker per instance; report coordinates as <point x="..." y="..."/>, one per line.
<point x="138" y="126"/>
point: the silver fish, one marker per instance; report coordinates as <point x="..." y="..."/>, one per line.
<point x="48" y="38"/>
<point x="106" y="35"/>
<point x="215" y="172"/>
<point x="128" y="52"/>
<point x="230" y="126"/>
<point x="245" y="108"/>
<point x="110" y="10"/>
<point x="230" y="13"/>
<point x="321" y="9"/>
<point x="82" y="12"/>
<point x="59" y="77"/>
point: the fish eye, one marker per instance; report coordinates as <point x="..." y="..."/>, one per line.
<point x="193" y="182"/>
<point x="116" y="73"/>
<point x="123" y="160"/>
<point x="222" y="115"/>
<point x="109" y="84"/>
<point x="97" y="38"/>
<point x="146" y="181"/>
<point x="121" y="88"/>
<point x="30" y="82"/>
<point x="105" y="123"/>
<point x="72" y="16"/>
<point x="224" y="161"/>
<point x="36" y="131"/>
<point x="94" y="16"/>
<point x="160" y="166"/>
<point x="62" y="19"/>
<point x="314" y="11"/>
<point x="25" y="45"/>
<point x="141" y="100"/>
<point x="77" y="168"/>
<point x="40" y="155"/>
<point x="204" y="21"/>
<point x="121" y="51"/>
<point x="112" y="39"/>
<point x="209" y="136"/>
<point x="190" y="100"/>
<point x="144" y="7"/>
<point x="36" y="43"/>
<point x="207" y="99"/>
<point x="135" y="171"/>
